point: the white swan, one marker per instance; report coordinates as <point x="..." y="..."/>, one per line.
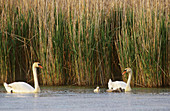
<point x="97" y="89"/>
<point x="22" y="87"/>
<point x="121" y="84"/>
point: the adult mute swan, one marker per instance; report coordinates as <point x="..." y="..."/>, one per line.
<point x="22" y="87"/>
<point x="121" y="85"/>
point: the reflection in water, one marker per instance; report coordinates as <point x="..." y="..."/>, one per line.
<point x="82" y="98"/>
<point x="21" y="95"/>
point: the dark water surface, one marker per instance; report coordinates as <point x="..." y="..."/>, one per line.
<point x="67" y="98"/>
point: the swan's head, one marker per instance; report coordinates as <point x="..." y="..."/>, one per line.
<point x="37" y="64"/>
<point x="97" y="87"/>
<point x="127" y="70"/>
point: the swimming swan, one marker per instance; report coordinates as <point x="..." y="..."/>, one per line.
<point x="22" y="87"/>
<point x="121" y="84"/>
<point x="97" y="89"/>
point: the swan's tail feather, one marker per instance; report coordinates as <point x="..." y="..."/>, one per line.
<point x="109" y="84"/>
<point x="5" y="84"/>
<point x="7" y="87"/>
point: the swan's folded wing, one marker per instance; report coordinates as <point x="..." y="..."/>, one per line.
<point x="118" y="84"/>
<point x="21" y="87"/>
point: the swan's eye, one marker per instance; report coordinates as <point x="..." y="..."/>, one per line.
<point x="39" y="65"/>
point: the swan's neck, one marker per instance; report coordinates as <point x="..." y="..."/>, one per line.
<point x="128" y="88"/>
<point x="37" y="88"/>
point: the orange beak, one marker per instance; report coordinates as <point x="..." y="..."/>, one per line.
<point x="124" y="73"/>
<point x="40" y="66"/>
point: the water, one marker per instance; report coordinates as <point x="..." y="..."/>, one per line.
<point x="83" y="99"/>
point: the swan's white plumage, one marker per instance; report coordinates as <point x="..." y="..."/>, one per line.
<point x="116" y="85"/>
<point x="22" y="87"/>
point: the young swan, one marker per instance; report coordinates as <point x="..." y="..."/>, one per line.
<point x="97" y="89"/>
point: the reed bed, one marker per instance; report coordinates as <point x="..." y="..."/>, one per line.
<point x="79" y="41"/>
